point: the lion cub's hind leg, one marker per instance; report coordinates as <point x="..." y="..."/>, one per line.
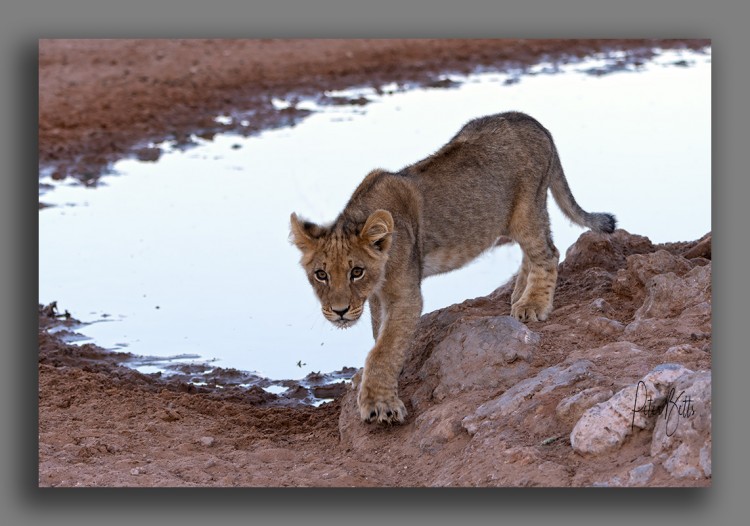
<point x="535" y="284"/>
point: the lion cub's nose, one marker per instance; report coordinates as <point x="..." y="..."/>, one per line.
<point x="341" y="312"/>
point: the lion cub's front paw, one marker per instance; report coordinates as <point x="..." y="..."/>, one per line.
<point x="386" y="408"/>
<point x="529" y="312"/>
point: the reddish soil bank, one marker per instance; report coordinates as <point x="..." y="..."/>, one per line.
<point x="101" y="424"/>
<point x="102" y="99"/>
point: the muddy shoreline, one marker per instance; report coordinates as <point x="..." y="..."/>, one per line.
<point x="102" y="100"/>
<point x="57" y="347"/>
<point x="102" y="424"/>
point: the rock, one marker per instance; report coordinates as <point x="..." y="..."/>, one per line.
<point x="600" y="305"/>
<point x="631" y="281"/>
<point x="608" y="252"/>
<point x="486" y="352"/>
<point x="702" y="249"/>
<point x="625" y="357"/>
<point x="511" y="400"/>
<point x="208" y="441"/>
<point x="570" y="409"/>
<point x="600" y="325"/>
<point x="437" y="426"/>
<point x="148" y="154"/>
<point x="670" y="331"/>
<point x="682" y="436"/>
<point x="606" y="425"/>
<point x="332" y="390"/>
<point x="474" y="397"/>
<point x="641" y="475"/>
<point x="614" y="482"/>
<point x="675" y="307"/>
<point x="668" y="295"/>
<point x="662" y="376"/>
<point x="675" y="297"/>
<point x="681" y="351"/>
<point x="170" y="415"/>
<point x="624" y="349"/>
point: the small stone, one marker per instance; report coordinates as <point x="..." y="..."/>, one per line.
<point x="208" y="441"/>
<point x="170" y="415"/>
<point x="678" y="351"/>
<point x="641" y="475"/>
<point x="600" y="305"/>
<point x="602" y="326"/>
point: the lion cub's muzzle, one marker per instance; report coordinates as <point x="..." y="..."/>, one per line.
<point x="342" y="317"/>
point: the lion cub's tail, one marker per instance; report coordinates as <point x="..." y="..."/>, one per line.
<point x="598" y="221"/>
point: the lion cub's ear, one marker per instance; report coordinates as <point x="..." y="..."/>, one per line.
<point x="304" y="233"/>
<point x="378" y="230"/>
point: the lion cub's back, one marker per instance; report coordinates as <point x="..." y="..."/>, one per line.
<point x="470" y="185"/>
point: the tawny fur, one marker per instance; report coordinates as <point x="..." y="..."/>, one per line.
<point x="487" y="185"/>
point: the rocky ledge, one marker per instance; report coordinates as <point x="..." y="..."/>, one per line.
<point x="613" y="390"/>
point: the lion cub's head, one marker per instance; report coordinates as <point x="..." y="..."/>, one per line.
<point x="344" y="262"/>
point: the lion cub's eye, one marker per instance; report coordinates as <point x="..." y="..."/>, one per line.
<point x="321" y="275"/>
<point x="357" y="272"/>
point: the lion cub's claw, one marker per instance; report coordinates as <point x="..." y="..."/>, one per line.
<point x="390" y="411"/>
<point x="527" y="312"/>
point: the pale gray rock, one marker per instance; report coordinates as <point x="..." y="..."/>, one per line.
<point x="614" y="482"/>
<point x="514" y="398"/>
<point x="681" y="351"/>
<point x="601" y="306"/>
<point x="638" y="476"/>
<point x="641" y="475"/>
<point x="682" y="435"/>
<point x="571" y="408"/>
<point x="606" y="425"/>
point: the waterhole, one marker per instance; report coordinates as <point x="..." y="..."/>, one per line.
<point x="187" y="258"/>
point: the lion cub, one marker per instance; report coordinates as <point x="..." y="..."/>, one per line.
<point x="434" y="216"/>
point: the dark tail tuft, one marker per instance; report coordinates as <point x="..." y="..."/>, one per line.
<point x="602" y="222"/>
